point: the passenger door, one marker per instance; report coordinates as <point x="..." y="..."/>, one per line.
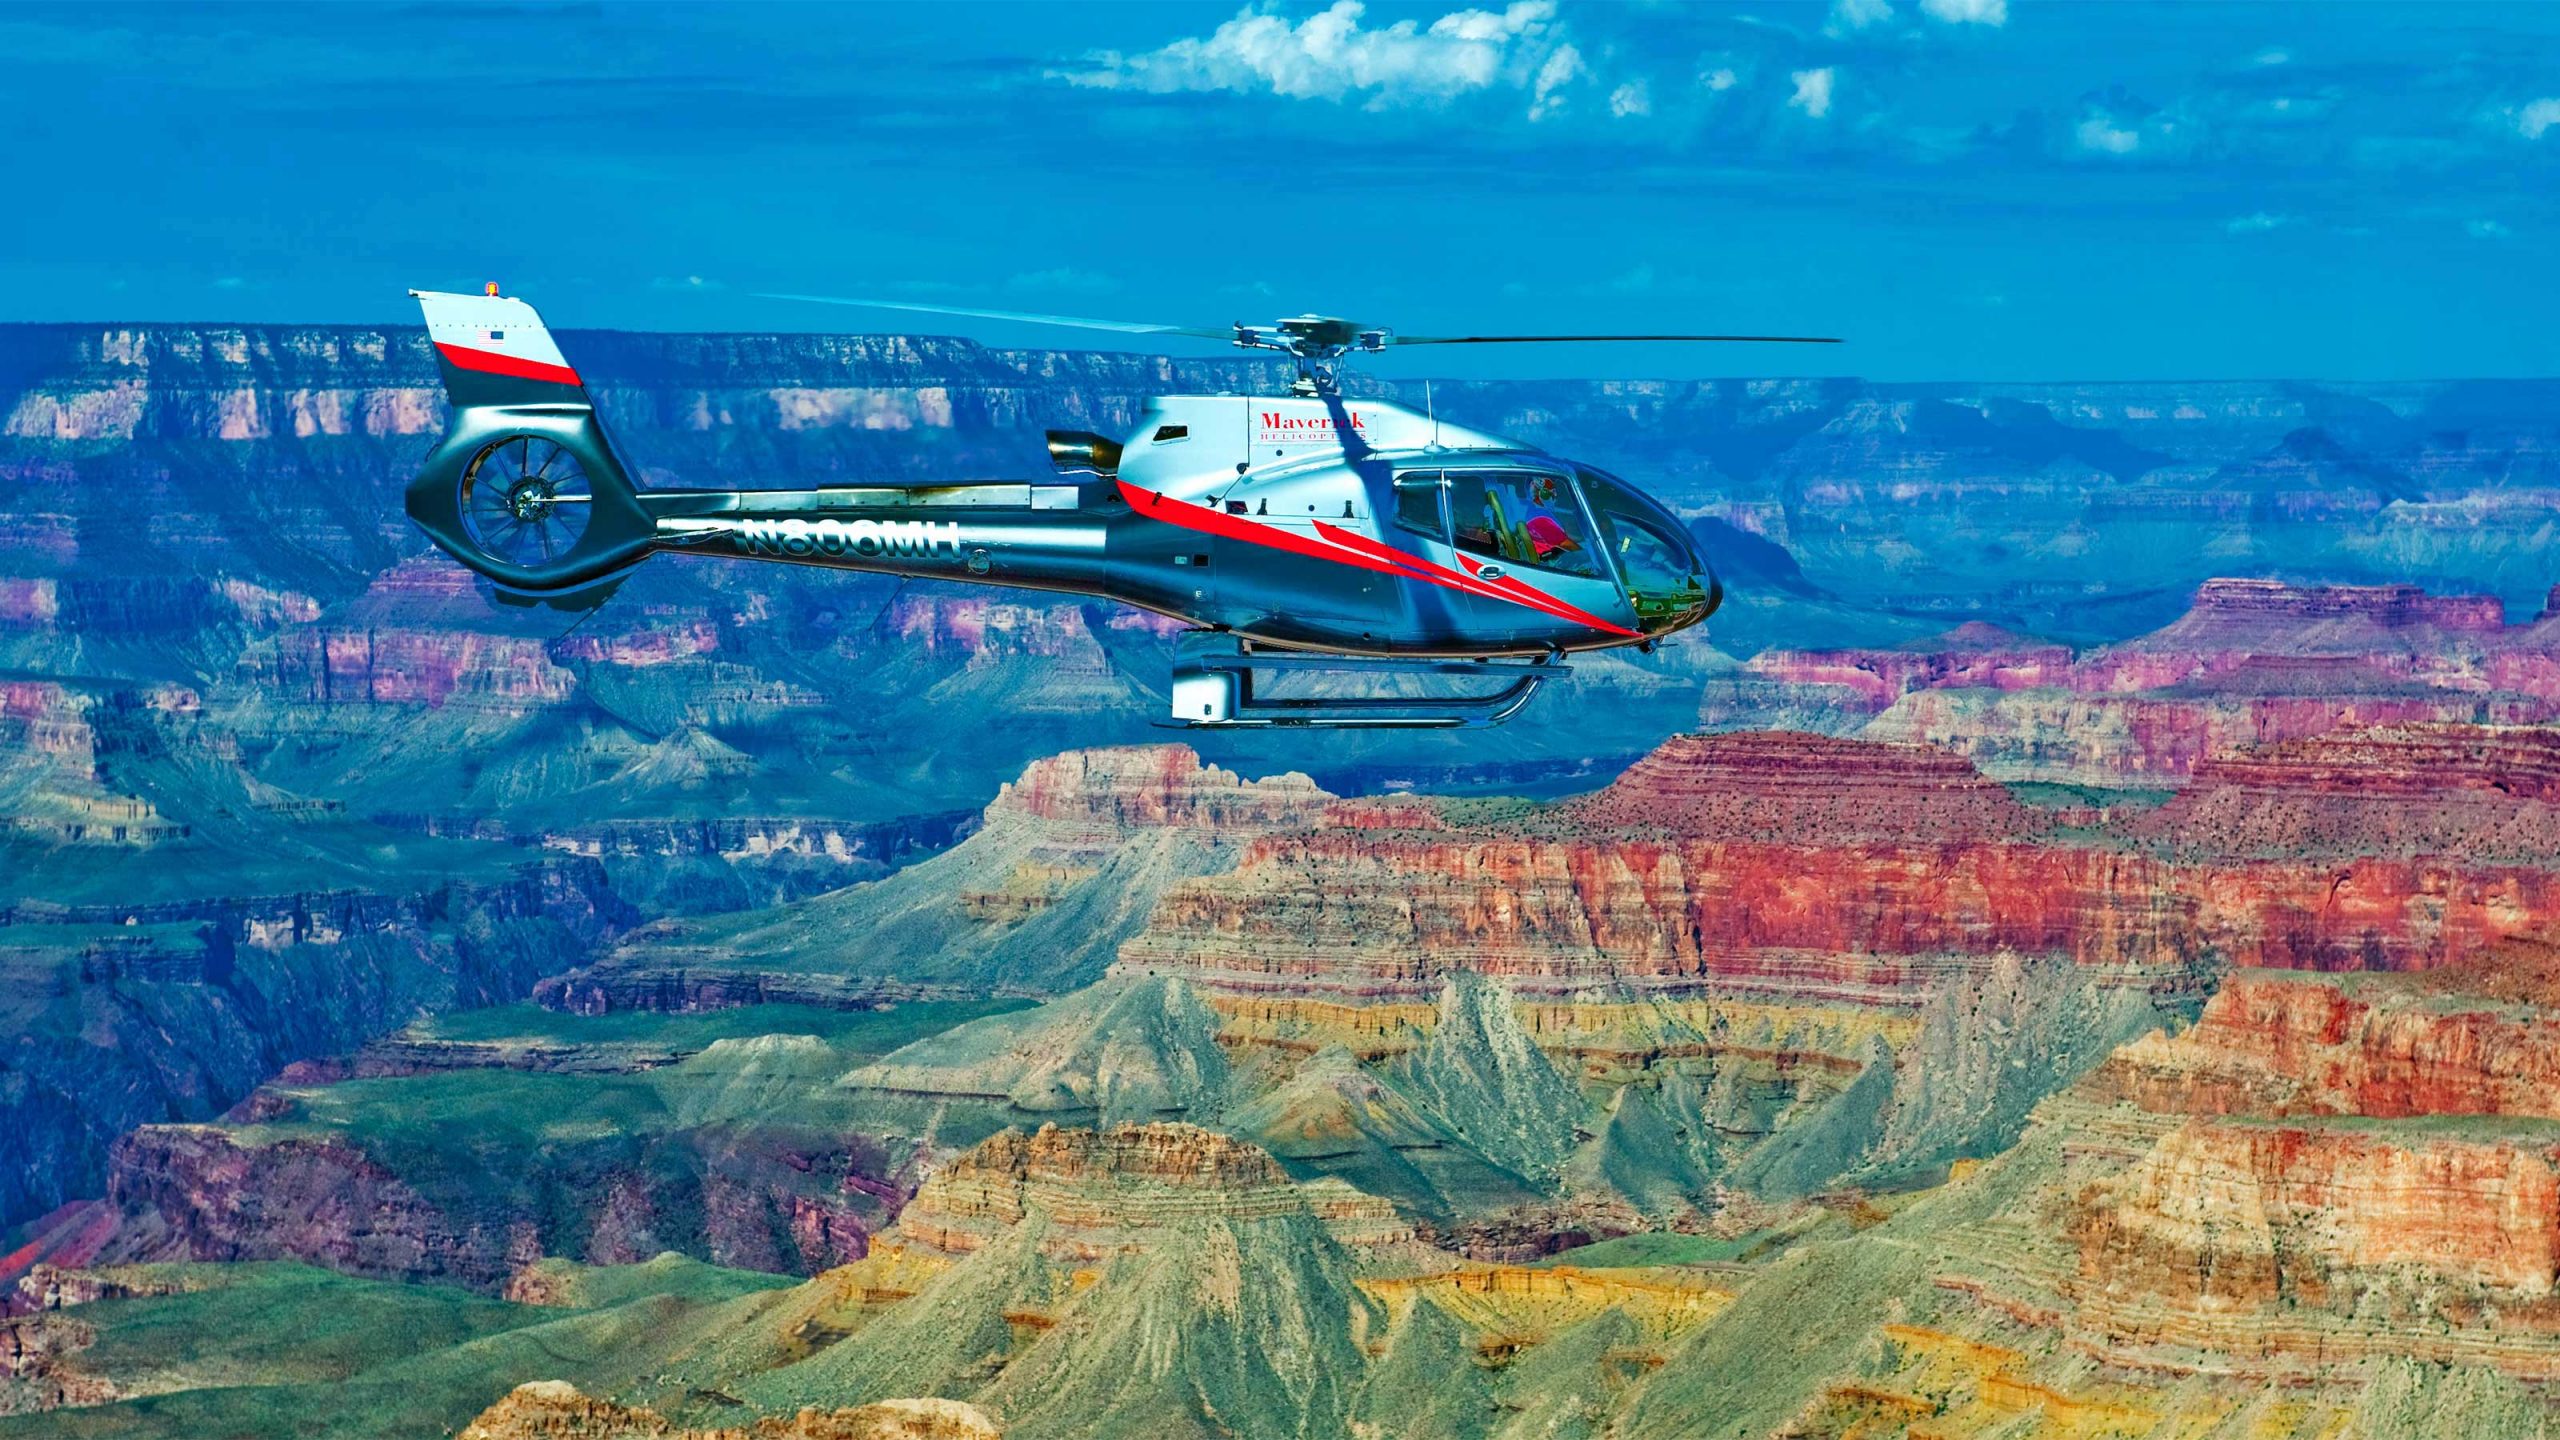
<point x="1526" y="531"/>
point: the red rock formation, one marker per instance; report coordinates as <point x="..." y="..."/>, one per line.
<point x="1804" y="789"/>
<point x="2321" y="1168"/>
<point x="40" y="1364"/>
<point x="1101" y="1192"/>
<point x="2471" y="791"/>
<point x="1971" y="656"/>
<point x="2292" y="1045"/>
<point x="973" y="625"/>
<point x="199" y="1192"/>
<point x="1340" y="914"/>
<point x="2153" y="740"/>
<point x="421" y="635"/>
<point x="1855" y="897"/>
<point x="2271" y="612"/>
<point x="1147" y="786"/>
<point x="2251" y="662"/>
<point x="2224" y="1216"/>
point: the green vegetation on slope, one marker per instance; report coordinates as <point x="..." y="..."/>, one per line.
<point x="283" y="1350"/>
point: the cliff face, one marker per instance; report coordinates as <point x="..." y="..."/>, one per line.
<point x="2222" y="1216"/>
<point x="1102" y="1193"/>
<point x="2343" y="1185"/>
<point x="1804" y="789"/>
<point x="2250" y="664"/>
<point x="2481" y="793"/>
<point x="738" y="1154"/>
<point x="1662" y="941"/>
<point x="2272" y="1045"/>
<point x="1892" y="856"/>
<point x="554" y="1410"/>
<point x="139" y="1014"/>
<point x="1065" y="863"/>
<point x="275" y="783"/>
<point x="1107" y="793"/>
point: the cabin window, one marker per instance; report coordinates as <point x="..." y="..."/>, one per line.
<point x="1418" y="504"/>
<point x="1522" y="517"/>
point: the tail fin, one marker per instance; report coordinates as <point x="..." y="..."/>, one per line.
<point x="525" y="488"/>
<point x="494" y="351"/>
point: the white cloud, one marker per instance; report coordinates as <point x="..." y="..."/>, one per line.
<point x="1967" y="12"/>
<point x="2258" y="224"/>
<point x="2274" y="57"/>
<point x="1563" y="67"/>
<point x="1853" y="15"/>
<point x="2488" y="230"/>
<point x="684" y="282"/>
<point x="1333" y="56"/>
<point x="2122" y="125"/>
<point x="2102" y="134"/>
<point x="1631" y="99"/>
<point x="1720" y="79"/>
<point x="1813" y="92"/>
<point x="230" y="282"/>
<point x="2537" y="119"/>
<point x="1848" y="17"/>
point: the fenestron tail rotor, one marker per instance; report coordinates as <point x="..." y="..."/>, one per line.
<point x="525" y="500"/>
<point x="1319" y="343"/>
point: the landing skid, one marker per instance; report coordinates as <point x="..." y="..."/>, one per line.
<point x="1214" y="688"/>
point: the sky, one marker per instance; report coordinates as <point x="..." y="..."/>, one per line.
<point x="1963" y="189"/>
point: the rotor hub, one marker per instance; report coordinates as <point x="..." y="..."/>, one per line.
<point x="1318" y="343"/>
<point x="530" y="500"/>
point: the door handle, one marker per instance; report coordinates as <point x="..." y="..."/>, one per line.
<point x="1489" y="572"/>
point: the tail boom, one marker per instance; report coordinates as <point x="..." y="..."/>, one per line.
<point x="527" y="490"/>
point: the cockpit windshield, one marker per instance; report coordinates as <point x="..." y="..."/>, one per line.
<point x="1657" y="562"/>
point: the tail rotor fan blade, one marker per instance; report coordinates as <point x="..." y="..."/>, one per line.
<point x="526" y="501"/>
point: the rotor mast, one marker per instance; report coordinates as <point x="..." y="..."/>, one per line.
<point x="1319" y="344"/>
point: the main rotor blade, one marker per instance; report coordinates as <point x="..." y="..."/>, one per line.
<point x="1568" y="339"/>
<point x="1075" y="322"/>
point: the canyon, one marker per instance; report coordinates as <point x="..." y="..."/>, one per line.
<point x="2069" y="949"/>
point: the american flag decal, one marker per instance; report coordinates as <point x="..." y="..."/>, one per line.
<point x="497" y="334"/>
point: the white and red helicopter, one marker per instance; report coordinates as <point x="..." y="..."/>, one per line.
<point x="1297" y="532"/>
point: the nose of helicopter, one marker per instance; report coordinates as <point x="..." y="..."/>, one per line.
<point x="1660" y="611"/>
<point x="1680" y="588"/>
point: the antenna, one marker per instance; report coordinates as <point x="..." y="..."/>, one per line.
<point x="1433" y="411"/>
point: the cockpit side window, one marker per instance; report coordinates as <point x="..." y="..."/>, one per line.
<point x="1521" y="517"/>
<point x="1418" y="504"/>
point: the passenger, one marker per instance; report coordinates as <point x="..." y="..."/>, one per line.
<point x="1548" y="538"/>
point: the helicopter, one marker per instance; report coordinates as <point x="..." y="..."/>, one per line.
<point x="1298" y="533"/>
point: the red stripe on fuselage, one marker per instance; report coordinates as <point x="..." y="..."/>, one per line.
<point x="490" y="362"/>
<point x="1503" y="587"/>
<point x="1343" y="547"/>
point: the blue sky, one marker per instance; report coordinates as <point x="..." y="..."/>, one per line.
<point x="1987" y="189"/>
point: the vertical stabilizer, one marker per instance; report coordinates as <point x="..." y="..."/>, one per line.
<point x="525" y="488"/>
